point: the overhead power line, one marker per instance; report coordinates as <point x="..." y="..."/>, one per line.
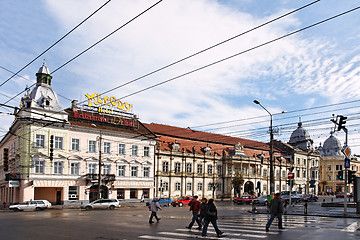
<point x="55" y="43"/>
<point x="240" y="53"/>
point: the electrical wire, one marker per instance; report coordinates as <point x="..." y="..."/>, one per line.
<point x="55" y="43"/>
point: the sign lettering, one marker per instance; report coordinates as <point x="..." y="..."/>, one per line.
<point x="96" y="99"/>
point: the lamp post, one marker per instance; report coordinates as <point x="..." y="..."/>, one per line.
<point x="271" y="152"/>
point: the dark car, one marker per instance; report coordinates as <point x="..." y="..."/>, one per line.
<point x="310" y="198"/>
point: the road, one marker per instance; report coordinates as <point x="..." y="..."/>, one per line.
<point x="132" y="223"/>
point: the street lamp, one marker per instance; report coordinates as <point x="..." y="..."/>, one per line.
<point x="99" y="173"/>
<point x="271" y="152"/>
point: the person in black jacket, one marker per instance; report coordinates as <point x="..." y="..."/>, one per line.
<point x="203" y="209"/>
<point x="211" y="216"/>
<point x="276" y="210"/>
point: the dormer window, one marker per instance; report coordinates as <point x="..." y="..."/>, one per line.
<point x="47" y="102"/>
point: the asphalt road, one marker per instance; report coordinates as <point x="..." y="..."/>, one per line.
<point x="132" y="223"/>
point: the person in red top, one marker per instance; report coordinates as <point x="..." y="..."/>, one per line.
<point x="195" y="208"/>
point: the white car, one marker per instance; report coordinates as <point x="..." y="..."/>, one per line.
<point x="102" y="204"/>
<point x="31" y="205"/>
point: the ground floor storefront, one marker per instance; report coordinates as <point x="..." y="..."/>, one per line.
<point x="60" y="192"/>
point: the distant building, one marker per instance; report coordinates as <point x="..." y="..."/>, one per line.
<point x="54" y="154"/>
<point x="333" y="162"/>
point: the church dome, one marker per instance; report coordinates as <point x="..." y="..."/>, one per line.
<point x="331" y="147"/>
<point x="300" y="138"/>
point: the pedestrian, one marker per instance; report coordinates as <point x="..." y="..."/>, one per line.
<point x="4" y="203"/>
<point x="154" y="207"/>
<point x="203" y="209"/>
<point x="276" y="210"/>
<point x="211" y="216"/>
<point x="195" y="208"/>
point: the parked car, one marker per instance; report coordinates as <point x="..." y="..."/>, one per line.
<point x="165" y="201"/>
<point x="182" y="202"/>
<point x="262" y="200"/>
<point x="295" y="198"/>
<point x="341" y="195"/>
<point x="310" y="198"/>
<point x="245" y="199"/>
<point x="102" y="204"/>
<point x="31" y="205"/>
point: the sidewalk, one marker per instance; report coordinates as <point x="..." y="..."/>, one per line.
<point x="314" y="210"/>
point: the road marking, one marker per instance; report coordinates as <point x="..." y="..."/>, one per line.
<point x="233" y="232"/>
<point x="155" y="237"/>
<point x="352" y="227"/>
<point x="193" y="235"/>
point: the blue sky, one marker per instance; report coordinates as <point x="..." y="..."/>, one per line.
<point x="311" y="69"/>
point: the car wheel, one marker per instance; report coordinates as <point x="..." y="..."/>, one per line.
<point x="87" y="208"/>
<point x="16" y="209"/>
<point x="112" y="207"/>
<point x="180" y="204"/>
<point x="38" y="209"/>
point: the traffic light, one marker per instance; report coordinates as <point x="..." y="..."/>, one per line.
<point x="290" y="182"/>
<point x="351" y="176"/>
<point x="51" y="156"/>
<point x="6" y="159"/>
<point x="340" y="175"/>
<point x="342" y="122"/>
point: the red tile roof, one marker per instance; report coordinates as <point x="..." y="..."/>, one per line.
<point x="187" y="138"/>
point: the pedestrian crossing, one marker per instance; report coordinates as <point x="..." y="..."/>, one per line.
<point x="246" y="227"/>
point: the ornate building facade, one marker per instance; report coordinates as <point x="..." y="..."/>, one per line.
<point x="74" y="155"/>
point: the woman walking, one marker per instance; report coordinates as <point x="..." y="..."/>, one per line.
<point x="211" y="216"/>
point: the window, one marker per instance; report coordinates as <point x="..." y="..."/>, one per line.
<point x="39" y="141"/>
<point x="165" y="167"/>
<point x="134" y="171"/>
<point x="92" y="168"/>
<point x="165" y="186"/>
<point x="177" y="167"/>
<point x="219" y="170"/>
<point x="58" y="142"/>
<point x="177" y="186"/>
<point x="283" y="174"/>
<point x="188" y="167"/>
<point x="146" y="171"/>
<point x="146" y="151"/>
<point x="106" y="147"/>
<point x="210" y="169"/>
<point x="200" y="168"/>
<point x="219" y="187"/>
<point x="329" y="177"/>
<point x="92" y="146"/>
<point x="265" y="172"/>
<point x="74" y="168"/>
<point x="329" y="167"/>
<point x="121" y="149"/>
<point x="236" y="169"/>
<point x="75" y="144"/>
<point x="250" y="170"/>
<point x="106" y="169"/>
<point x="188" y="186"/>
<point x="264" y="188"/>
<point x="134" y="150"/>
<point x="210" y="187"/>
<point x="73" y="193"/>
<point x="229" y="169"/>
<point x="304" y="174"/>
<point x="298" y="173"/>
<point x="199" y="187"/>
<point x="304" y="162"/>
<point x="58" y="167"/>
<point x="277" y="173"/>
<point x="39" y="166"/>
<point x="121" y="170"/>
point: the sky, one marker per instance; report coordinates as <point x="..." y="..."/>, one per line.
<point x="313" y="74"/>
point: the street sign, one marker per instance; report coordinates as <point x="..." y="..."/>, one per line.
<point x="347" y="163"/>
<point x="290" y="175"/>
<point x="347" y="151"/>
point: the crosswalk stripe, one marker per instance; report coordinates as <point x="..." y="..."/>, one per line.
<point x="156" y="237"/>
<point x="238" y="232"/>
<point x="192" y="235"/>
<point x="352" y="227"/>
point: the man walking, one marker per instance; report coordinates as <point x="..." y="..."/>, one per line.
<point x="195" y="208"/>
<point x="154" y="207"/>
<point x="276" y="210"/>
